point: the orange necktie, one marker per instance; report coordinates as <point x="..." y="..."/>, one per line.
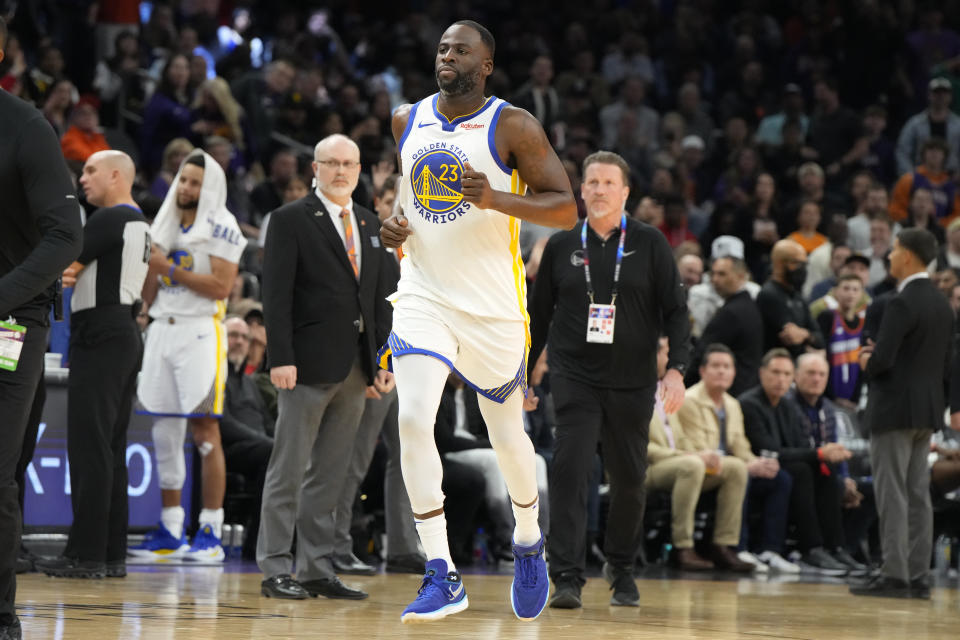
<point x="348" y="242"/>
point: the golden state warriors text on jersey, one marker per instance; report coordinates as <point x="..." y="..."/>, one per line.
<point x="435" y="179"/>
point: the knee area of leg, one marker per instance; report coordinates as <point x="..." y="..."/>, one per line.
<point x="692" y="466"/>
<point x="412" y="426"/>
<point x="168" y="437"/>
<point x="784" y="479"/>
<point x="735" y="468"/>
<point x="205" y="446"/>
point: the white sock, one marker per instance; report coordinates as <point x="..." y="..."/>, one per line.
<point x="214" y="518"/>
<point x="527" y="531"/>
<point x="433" y="537"/>
<point x="172" y="519"/>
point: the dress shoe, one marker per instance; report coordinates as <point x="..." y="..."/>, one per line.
<point x="64" y="567"/>
<point x="11" y="631"/>
<point x="332" y="588"/>
<point x="724" y="558"/>
<point x="920" y="589"/>
<point x="566" y="592"/>
<point x="689" y="560"/>
<point x="883" y="587"/>
<point x="283" y="586"/>
<point x="349" y="564"/>
<point x="408" y="563"/>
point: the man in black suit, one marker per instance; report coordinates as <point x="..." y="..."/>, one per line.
<point x="737" y="324"/>
<point x="906" y="369"/>
<point x="324" y="293"/>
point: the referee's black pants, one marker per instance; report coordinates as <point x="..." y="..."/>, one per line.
<point x="17" y="391"/>
<point x="619" y="419"/>
<point x="105" y="354"/>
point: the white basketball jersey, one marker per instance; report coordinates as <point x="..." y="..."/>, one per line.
<point x="459" y="255"/>
<point x="191" y="251"/>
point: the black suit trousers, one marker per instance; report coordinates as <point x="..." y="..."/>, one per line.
<point x="816" y="506"/>
<point x="619" y="420"/>
<point x="17" y="391"/>
<point x="103" y="374"/>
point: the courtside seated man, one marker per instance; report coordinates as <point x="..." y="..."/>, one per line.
<point x="466" y="162"/>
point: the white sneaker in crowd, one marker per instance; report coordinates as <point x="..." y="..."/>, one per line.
<point x="749" y="558"/>
<point x="778" y="563"/>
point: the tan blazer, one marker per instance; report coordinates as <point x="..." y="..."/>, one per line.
<point x="659" y="447"/>
<point x="701" y="429"/>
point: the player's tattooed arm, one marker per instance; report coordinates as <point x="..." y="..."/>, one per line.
<point x="522" y="143"/>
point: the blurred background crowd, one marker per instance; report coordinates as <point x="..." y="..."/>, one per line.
<point x="830" y="122"/>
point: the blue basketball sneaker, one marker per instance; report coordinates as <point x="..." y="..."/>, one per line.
<point x="531" y="585"/>
<point x="159" y="544"/>
<point x="206" y="547"/>
<point x="440" y="595"/>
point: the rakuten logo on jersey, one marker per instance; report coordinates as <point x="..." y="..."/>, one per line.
<point x="471" y="125"/>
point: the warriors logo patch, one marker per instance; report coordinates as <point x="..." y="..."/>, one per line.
<point x="180" y="258"/>
<point x="436" y="181"/>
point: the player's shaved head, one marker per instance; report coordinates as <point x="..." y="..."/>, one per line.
<point x="113" y="160"/>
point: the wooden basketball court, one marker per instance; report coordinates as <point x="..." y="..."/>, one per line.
<point x="199" y="603"/>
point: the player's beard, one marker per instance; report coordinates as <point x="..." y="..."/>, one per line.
<point x="187" y="205"/>
<point x="461" y="85"/>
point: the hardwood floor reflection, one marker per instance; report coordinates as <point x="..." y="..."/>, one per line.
<point x="200" y="603"/>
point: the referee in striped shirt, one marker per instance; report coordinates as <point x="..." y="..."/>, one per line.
<point x="105" y="354"/>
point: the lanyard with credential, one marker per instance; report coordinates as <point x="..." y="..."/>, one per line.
<point x="616" y="269"/>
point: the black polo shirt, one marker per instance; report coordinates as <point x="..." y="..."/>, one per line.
<point x="40" y="229"/>
<point x="651" y="301"/>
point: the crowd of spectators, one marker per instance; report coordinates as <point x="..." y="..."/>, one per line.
<point x="828" y="124"/>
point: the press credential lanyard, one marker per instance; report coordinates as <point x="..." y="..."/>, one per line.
<point x="601" y="317"/>
<point x="11" y="343"/>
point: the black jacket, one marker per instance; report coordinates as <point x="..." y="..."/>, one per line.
<point x="245" y="413"/>
<point x="778" y="306"/>
<point x="312" y="303"/>
<point x="738" y="325"/>
<point x="651" y="301"/>
<point x="777" y="428"/>
<point x="40" y="228"/>
<point x="911" y="361"/>
<point x="446" y="424"/>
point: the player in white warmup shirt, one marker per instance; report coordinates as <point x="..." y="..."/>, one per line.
<point x="466" y="162"/>
<point x="197" y="247"/>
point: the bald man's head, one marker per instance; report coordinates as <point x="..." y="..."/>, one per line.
<point x="336" y="166"/>
<point x="789" y="264"/>
<point x="332" y="142"/>
<point x="238" y="340"/>
<point x="108" y="178"/>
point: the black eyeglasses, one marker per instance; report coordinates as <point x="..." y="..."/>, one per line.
<point x="335" y="164"/>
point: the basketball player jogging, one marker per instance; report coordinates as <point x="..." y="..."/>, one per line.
<point x="197" y="247"/>
<point x="467" y="162"/>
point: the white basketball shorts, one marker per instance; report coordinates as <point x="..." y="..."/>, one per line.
<point x="489" y="354"/>
<point x="184" y="368"/>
